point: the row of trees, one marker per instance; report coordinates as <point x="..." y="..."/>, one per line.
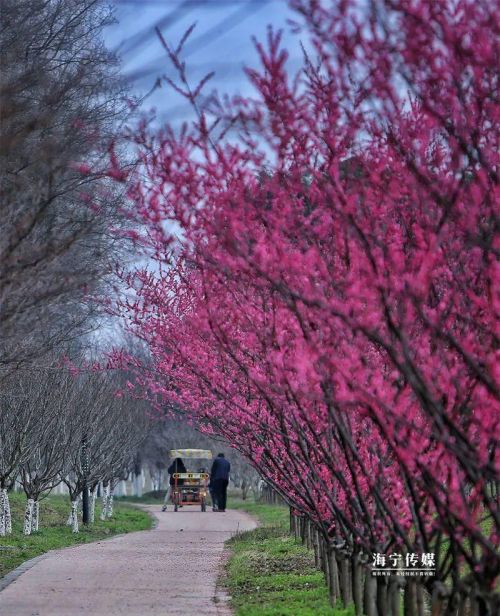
<point x="331" y="308"/>
<point x="58" y="427"/>
<point x="62" y="101"/>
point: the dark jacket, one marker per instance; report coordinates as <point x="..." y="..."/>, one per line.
<point x="220" y="469"/>
<point x="177" y="466"/>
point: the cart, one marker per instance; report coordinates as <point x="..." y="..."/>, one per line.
<point x="190" y="488"/>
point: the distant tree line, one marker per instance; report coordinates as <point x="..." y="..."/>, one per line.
<point x="60" y="427"/>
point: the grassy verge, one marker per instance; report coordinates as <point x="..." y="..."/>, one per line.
<point x="53" y="533"/>
<point x="149" y="498"/>
<point x="269" y="574"/>
<point x="274" y="516"/>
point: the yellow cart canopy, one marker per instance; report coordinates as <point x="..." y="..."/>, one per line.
<point x="204" y="454"/>
<point x="191" y="475"/>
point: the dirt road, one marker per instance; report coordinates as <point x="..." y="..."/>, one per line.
<point x="169" y="570"/>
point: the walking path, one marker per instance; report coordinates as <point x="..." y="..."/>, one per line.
<point x="166" y="571"/>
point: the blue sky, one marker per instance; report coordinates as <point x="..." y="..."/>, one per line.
<point x="221" y="41"/>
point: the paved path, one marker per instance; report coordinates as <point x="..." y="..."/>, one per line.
<point x="167" y="571"/>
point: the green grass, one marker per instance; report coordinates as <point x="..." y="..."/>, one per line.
<point x="149" y="498"/>
<point x="267" y="515"/>
<point x="270" y="574"/>
<point x="54" y="534"/>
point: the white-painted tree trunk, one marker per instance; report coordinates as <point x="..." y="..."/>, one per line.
<point x="28" y="517"/>
<point x="35" y="518"/>
<point x="138" y="482"/>
<point x="92" y="506"/>
<point x="109" y="508"/>
<point x="61" y="488"/>
<point x="104" y="503"/>
<point x="8" y="517"/>
<point x="74" y="516"/>
<point x="2" y="513"/>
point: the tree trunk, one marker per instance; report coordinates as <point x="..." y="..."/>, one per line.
<point x="345" y="586"/>
<point x="74" y="516"/>
<point x="109" y="508"/>
<point x="438" y="600"/>
<point x="317" y="553"/>
<point x="323" y="547"/>
<point x="382" y="606"/>
<point x="35" y="518"/>
<point x="410" y="598"/>
<point x="28" y="517"/>
<point x="2" y="513"/>
<point x="104" y="503"/>
<point x="488" y="603"/>
<point x="8" y="516"/>
<point x="474" y="607"/>
<point x="303" y="529"/>
<point x="370" y="594"/>
<point x="464" y="609"/>
<point x="333" y="575"/>
<point x="92" y="505"/>
<point x="420" y="600"/>
<point x="394" y="596"/>
<point x="138" y="484"/>
<point x="357" y="584"/>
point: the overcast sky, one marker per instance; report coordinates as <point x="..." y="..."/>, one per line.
<point x="220" y="42"/>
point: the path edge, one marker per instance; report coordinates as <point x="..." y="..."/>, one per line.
<point x="22" y="568"/>
<point x="222" y="598"/>
<point x="13" y="575"/>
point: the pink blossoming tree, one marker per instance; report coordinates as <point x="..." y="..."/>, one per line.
<point x="332" y="306"/>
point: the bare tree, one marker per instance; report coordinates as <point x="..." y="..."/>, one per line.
<point x="17" y="423"/>
<point x="60" y="103"/>
<point x="91" y="420"/>
<point x="130" y="430"/>
<point x="111" y="426"/>
<point x="51" y="398"/>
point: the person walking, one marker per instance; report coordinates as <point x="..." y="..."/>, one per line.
<point x="219" y="479"/>
<point x="177" y="466"/>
